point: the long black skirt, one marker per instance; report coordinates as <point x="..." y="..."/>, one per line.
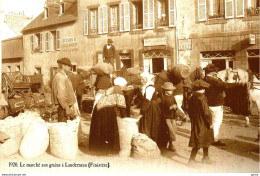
<point x="104" y="135"/>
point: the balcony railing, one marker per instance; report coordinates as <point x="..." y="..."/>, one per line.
<point x="253" y="11"/>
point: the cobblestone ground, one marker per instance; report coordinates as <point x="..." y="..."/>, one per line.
<point x="240" y="155"/>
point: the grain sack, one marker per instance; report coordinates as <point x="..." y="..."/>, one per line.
<point x="64" y="138"/>
<point x="26" y="119"/>
<point x="36" y="139"/>
<point x="83" y="134"/>
<point x="144" y="148"/>
<point x="12" y="127"/>
<point x="127" y="128"/>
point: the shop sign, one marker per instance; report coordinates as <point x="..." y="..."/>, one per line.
<point x="185" y="45"/>
<point x="155" y="41"/>
<point x="69" y="44"/>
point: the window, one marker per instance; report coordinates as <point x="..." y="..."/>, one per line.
<point x="253" y="8"/>
<point x="17" y="68"/>
<point x="148" y="14"/>
<point x="8" y="69"/>
<point x="46" y="12"/>
<point x="216" y="9"/>
<point x="124" y="13"/>
<point x="61" y="8"/>
<point x="38" y="42"/>
<point x="47" y="43"/>
<point x="137" y="15"/>
<point x="55" y="40"/>
<point x="93" y="21"/>
<point x="162" y="12"/>
<point x="114" y="11"/>
<point x="102" y="20"/>
<point x="38" y="71"/>
<point x="125" y="60"/>
<point x="85" y="18"/>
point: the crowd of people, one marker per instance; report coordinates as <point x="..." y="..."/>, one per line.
<point x="159" y="109"/>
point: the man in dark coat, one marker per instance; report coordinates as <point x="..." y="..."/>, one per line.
<point x="109" y="52"/>
<point x="215" y="95"/>
<point x="201" y="122"/>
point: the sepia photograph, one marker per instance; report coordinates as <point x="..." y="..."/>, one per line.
<point x="111" y="87"/>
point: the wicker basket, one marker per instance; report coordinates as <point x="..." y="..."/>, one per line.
<point x="36" y="139"/>
<point x="64" y="139"/>
<point x="12" y="127"/>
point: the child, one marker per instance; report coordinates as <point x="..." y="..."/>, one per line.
<point x="169" y="106"/>
<point x="201" y="122"/>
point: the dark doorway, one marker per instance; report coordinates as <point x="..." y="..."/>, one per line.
<point x="158" y="65"/>
<point x="253" y="64"/>
<point x="220" y="63"/>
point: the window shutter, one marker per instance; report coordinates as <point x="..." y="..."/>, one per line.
<point x="171" y="12"/>
<point x="121" y="16"/>
<point x="32" y="47"/>
<point x="85" y="21"/>
<point x="148" y="14"/>
<point x="100" y="20"/>
<point x="239" y="8"/>
<point x="151" y="14"/>
<point x="229" y="10"/>
<point x="134" y="15"/>
<point x="105" y="19"/>
<point x="126" y="16"/>
<point x="41" y="38"/>
<point x="202" y="9"/>
<point x="57" y="40"/>
<point x="145" y="14"/>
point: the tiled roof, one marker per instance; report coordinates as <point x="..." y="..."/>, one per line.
<point x="70" y="15"/>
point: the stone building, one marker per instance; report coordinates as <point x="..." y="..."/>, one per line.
<point x="153" y="34"/>
<point x="223" y="32"/>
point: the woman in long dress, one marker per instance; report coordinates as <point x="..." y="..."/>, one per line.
<point x="104" y="134"/>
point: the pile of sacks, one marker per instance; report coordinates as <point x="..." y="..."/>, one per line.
<point x="30" y="135"/>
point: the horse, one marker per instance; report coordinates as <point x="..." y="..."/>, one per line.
<point x="253" y="85"/>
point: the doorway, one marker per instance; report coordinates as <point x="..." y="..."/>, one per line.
<point x="158" y="64"/>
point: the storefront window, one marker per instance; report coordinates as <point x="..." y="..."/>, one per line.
<point x="253" y="60"/>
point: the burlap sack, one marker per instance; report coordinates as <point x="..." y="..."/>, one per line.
<point x="64" y="138"/>
<point x="36" y="139"/>
<point x="127" y="128"/>
<point x="12" y="127"/>
<point x="144" y="148"/>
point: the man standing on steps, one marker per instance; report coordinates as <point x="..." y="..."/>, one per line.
<point x="109" y="53"/>
<point x="215" y="95"/>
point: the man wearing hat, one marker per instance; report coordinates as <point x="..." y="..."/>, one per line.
<point x="201" y="122"/>
<point x="215" y="95"/>
<point x="169" y="107"/>
<point x="109" y="53"/>
<point x="63" y="95"/>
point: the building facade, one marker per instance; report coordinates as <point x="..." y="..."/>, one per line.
<point x="153" y="34"/>
<point x="12" y="54"/>
<point x="223" y="32"/>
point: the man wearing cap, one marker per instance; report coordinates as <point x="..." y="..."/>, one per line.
<point x="109" y="52"/>
<point x="62" y="91"/>
<point x="215" y="95"/>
